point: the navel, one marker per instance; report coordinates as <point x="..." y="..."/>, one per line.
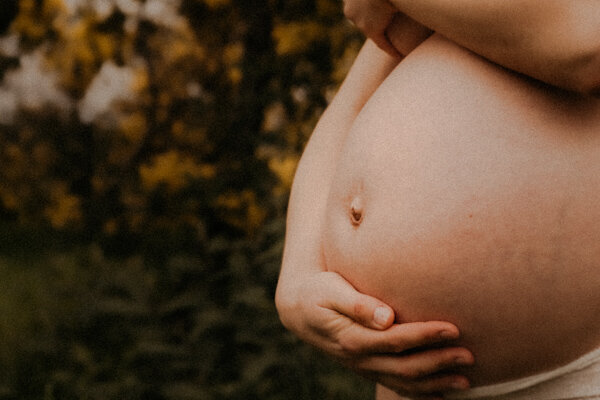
<point x="356" y="211"/>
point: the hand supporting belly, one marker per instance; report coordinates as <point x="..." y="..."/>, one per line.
<point x="468" y="194"/>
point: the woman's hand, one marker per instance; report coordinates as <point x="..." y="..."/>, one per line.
<point x="359" y="331"/>
<point x="372" y="17"/>
<point x="393" y="32"/>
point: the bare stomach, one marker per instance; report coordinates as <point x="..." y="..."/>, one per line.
<point x="468" y="194"/>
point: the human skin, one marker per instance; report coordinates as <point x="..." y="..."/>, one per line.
<point x="555" y="41"/>
<point x="467" y="193"/>
<point x="321" y="307"/>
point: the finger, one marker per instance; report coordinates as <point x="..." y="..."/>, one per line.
<point x="415" y="366"/>
<point x="382" y="392"/>
<point x="366" y="310"/>
<point x="384" y="44"/>
<point x="431" y="397"/>
<point x="429" y="386"/>
<point x="374" y="27"/>
<point x="406" y="34"/>
<point x="356" y="339"/>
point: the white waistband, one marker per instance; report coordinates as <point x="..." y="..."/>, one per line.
<point x="586" y="385"/>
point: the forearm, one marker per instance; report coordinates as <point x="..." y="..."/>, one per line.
<point x="315" y="171"/>
<point x="556" y="41"/>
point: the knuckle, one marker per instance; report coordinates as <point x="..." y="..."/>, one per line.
<point x="349" y="345"/>
<point x="338" y="353"/>
<point x="358" y="309"/>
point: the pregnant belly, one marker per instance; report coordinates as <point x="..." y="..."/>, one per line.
<point x="468" y="194"/>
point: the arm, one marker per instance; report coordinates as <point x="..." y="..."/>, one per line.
<point x="394" y="32"/>
<point x="555" y="41"/>
<point x="321" y="307"/>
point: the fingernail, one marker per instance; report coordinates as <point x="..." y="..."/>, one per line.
<point x="381" y="316"/>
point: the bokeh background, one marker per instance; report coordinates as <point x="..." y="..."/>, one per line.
<point x="147" y="149"/>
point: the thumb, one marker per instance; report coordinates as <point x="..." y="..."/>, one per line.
<point x="365" y="310"/>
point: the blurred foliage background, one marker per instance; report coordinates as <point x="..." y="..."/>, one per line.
<point x="147" y="152"/>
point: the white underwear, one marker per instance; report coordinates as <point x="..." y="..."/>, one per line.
<point x="577" y="380"/>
